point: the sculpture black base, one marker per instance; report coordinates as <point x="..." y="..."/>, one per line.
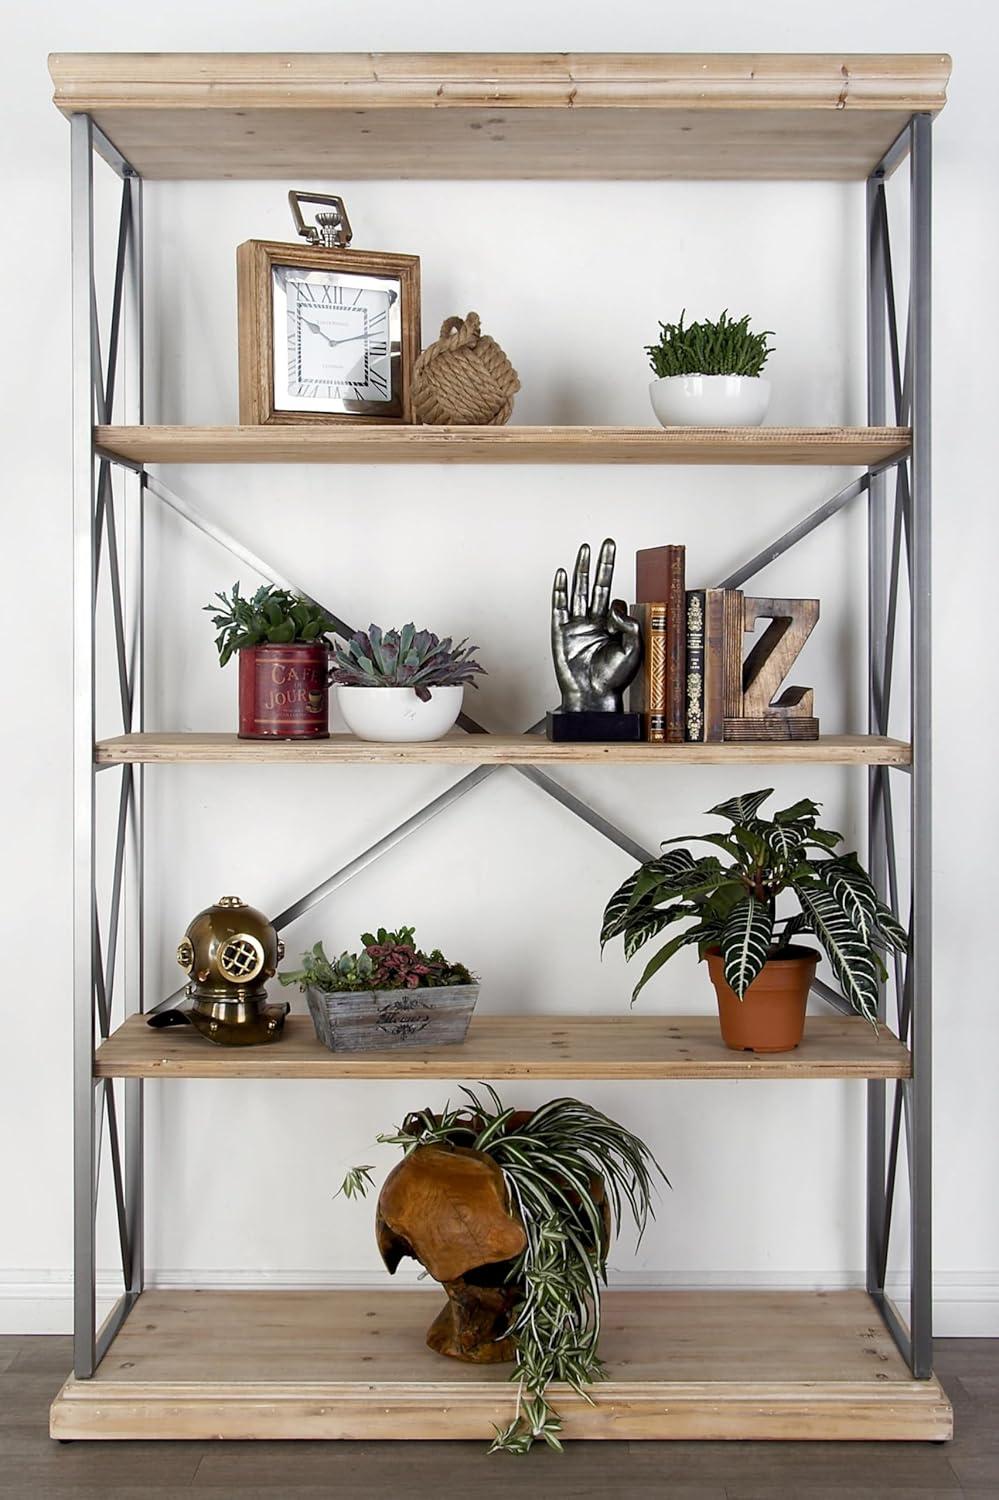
<point x="591" y="727"/>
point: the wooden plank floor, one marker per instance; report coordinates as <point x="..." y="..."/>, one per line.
<point x="33" y="1467"/>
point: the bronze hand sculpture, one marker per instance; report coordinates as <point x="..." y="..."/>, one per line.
<point x="596" y="644"/>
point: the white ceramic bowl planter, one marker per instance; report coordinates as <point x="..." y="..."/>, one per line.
<point x="396" y="714"/>
<point x="710" y="400"/>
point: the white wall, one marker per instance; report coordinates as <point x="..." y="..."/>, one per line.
<point x="766" y="1178"/>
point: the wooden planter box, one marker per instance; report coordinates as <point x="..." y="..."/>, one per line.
<point x="383" y="1020"/>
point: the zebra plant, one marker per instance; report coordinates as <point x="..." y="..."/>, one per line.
<point x="732" y="906"/>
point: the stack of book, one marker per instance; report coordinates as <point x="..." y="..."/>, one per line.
<point x="691" y="675"/>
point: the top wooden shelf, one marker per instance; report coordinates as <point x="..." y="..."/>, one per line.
<point x="352" y="443"/>
<point x="636" y="116"/>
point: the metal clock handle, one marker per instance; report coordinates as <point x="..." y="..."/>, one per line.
<point x="331" y="230"/>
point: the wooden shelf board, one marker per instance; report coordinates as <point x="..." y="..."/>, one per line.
<point x="459" y="749"/>
<point x="525" y="1046"/>
<point x="355" y="444"/>
<point x="500" y="115"/>
<point x="354" y="1364"/>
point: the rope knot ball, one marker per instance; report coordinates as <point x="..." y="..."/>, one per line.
<point x="464" y="379"/>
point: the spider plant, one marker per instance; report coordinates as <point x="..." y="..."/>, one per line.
<point x="550" y="1162"/>
<point x="733" y="906"/>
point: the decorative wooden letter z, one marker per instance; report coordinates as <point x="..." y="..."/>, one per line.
<point x="765" y="716"/>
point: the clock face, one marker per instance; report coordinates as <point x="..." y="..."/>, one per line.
<point x="336" y="342"/>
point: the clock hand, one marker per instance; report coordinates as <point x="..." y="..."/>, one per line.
<point x="315" y="328"/>
<point x="333" y="343"/>
<point x="349" y="340"/>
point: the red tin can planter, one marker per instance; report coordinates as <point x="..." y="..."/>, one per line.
<point x="284" y="692"/>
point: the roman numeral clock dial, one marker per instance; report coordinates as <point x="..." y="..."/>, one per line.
<point x="326" y="333"/>
<point x="338" y="342"/>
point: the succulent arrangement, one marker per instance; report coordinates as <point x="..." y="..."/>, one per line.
<point x="408" y="657"/>
<point x="732" y="907"/>
<point x="571" y="1173"/>
<point x="722" y="347"/>
<point x="388" y="961"/>
<point x="272" y="616"/>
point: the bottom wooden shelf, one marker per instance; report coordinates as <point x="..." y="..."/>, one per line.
<point x="346" y="1364"/>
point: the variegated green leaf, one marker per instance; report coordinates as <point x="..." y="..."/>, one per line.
<point x="617" y="908"/>
<point x="745" y="942"/>
<point x="784" y="840"/>
<point x="670" y="872"/>
<point x="792" y="925"/>
<point x="805" y="811"/>
<point x="852" y="959"/>
<point x="648" y="924"/>
<point x="891" y="929"/>
<point x="826" y="838"/>
<point x="850" y="886"/>
<point x="742" y="809"/>
<point x="692" y="935"/>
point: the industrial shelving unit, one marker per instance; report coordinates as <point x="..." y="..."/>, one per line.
<point x="346" y="1364"/>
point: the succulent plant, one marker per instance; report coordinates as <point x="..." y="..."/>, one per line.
<point x="404" y="658"/>
<point x="272" y="617"/>
<point x="388" y="961"/>
<point x="724" y="347"/>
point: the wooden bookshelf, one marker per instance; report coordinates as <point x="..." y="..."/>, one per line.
<point x="290" y="444"/>
<point x="525" y="1046"/>
<point x="459" y="749"/>
<point x="354" y="1364"/>
<point x="299" y="116"/>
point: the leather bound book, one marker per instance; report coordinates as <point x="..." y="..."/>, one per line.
<point x="694" y="717"/>
<point x="648" y="691"/>
<point x="714" y="665"/>
<point x="660" y="575"/>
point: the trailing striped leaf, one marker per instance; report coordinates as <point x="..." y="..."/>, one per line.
<point x="616" y="909"/>
<point x="649" y="924"/>
<point x="891" y="929"/>
<point x="742" y="809"/>
<point x="851" y="887"/>
<point x="853" y="960"/>
<point x="745" y="942"/>
<point x="692" y="935"/>
<point x="670" y="872"/>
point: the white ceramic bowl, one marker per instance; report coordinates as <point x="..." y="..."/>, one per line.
<point x="710" y="400"/>
<point x="397" y="714"/>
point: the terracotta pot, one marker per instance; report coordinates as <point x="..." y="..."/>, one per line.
<point x="284" y="692"/>
<point x="771" y="1015"/>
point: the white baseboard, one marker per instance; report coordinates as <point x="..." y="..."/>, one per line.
<point x="965" y="1305"/>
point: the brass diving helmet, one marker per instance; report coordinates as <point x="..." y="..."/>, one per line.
<point x="229" y="951"/>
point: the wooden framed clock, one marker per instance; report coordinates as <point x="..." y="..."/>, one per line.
<point x="326" y="333"/>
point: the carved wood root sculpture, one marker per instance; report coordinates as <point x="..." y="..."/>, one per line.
<point x="448" y="1207"/>
<point x="450" y="1210"/>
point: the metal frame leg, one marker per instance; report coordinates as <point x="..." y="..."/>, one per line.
<point x="96" y="516"/>
<point x="84" y="589"/>
<point x="876" y="646"/>
<point x="920" y="1133"/>
<point x="911" y="1109"/>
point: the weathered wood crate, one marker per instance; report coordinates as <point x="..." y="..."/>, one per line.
<point x="381" y="1020"/>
